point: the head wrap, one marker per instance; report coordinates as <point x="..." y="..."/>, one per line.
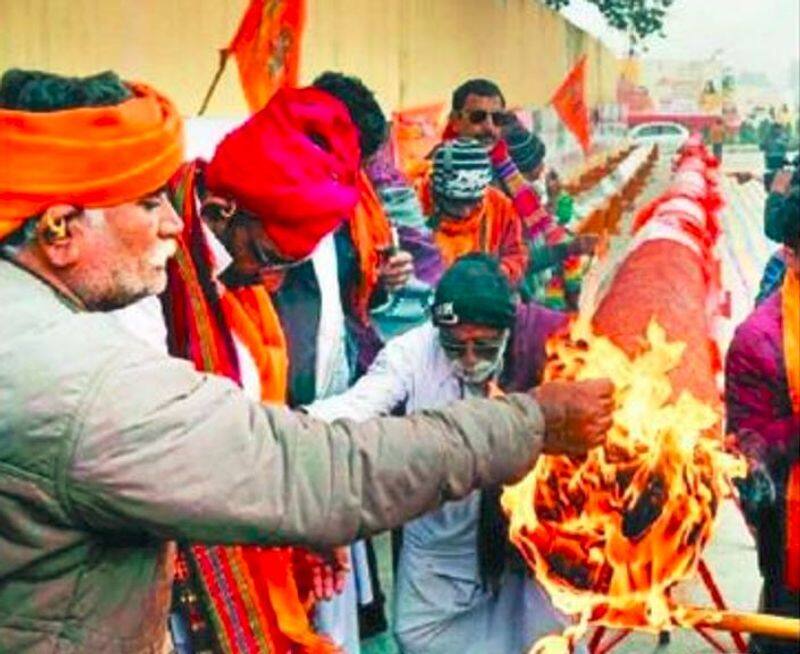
<point x="525" y="148"/>
<point x="461" y="170"/>
<point x="293" y="165"/>
<point x="88" y="156"/>
<point x="474" y="290"/>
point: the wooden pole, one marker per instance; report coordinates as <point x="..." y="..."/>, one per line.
<point x="223" y="59"/>
<point x="763" y="624"/>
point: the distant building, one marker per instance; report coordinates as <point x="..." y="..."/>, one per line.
<point x="678" y="86"/>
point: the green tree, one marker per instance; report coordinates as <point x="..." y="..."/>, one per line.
<point x="638" y="18"/>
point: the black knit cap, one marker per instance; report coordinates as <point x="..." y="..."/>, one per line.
<point x="474" y="290"/>
<point x="525" y="148"/>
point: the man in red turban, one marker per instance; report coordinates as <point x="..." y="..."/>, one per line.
<point x="274" y="187"/>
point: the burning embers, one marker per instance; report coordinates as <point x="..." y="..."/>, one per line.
<point x="609" y="534"/>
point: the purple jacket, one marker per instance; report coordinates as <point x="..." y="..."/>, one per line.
<point x="759" y="413"/>
<point x="759" y="410"/>
<point x="526" y="354"/>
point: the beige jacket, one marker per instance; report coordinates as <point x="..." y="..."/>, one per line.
<point x="110" y="451"/>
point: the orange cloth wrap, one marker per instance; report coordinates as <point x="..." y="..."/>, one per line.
<point x="370" y="231"/>
<point x="493" y="227"/>
<point x="88" y="157"/>
<point x="790" y="310"/>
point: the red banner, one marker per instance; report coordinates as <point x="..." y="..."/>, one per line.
<point x="267" y="48"/>
<point x="569" y="101"/>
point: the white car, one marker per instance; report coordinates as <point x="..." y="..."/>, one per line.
<point x="669" y="137"/>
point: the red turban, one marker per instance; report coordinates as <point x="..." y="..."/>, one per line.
<point x="88" y="156"/>
<point x="293" y="165"/>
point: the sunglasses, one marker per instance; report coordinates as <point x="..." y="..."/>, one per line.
<point x="483" y="349"/>
<point x="499" y="118"/>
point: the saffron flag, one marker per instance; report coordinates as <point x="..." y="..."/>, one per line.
<point x="267" y="48"/>
<point x="415" y="132"/>
<point x="569" y="101"/>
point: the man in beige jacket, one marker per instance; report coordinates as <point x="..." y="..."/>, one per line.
<point x="110" y="451"/>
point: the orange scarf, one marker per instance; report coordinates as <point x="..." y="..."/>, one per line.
<point x="87" y="157"/>
<point x="790" y="312"/>
<point x="456" y="237"/>
<point x="481" y="231"/>
<point x="252" y="317"/>
<point x="370" y="231"/>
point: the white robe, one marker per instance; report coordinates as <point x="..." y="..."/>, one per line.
<point x="440" y="606"/>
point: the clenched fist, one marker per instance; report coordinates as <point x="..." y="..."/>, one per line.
<point x="577" y="414"/>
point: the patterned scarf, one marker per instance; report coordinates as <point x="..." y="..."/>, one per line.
<point x="248" y="593"/>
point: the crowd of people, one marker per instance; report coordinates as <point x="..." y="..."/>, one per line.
<point x="196" y="301"/>
<point x="221" y="377"/>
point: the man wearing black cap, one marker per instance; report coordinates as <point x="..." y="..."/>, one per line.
<point x="456" y="590"/>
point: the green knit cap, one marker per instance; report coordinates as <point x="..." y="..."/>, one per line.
<point x="474" y="290"/>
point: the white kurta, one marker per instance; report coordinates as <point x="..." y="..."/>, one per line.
<point x="338" y="617"/>
<point x="441" y="607"/>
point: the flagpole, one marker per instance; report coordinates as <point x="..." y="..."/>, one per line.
<point x="223" y="59"/>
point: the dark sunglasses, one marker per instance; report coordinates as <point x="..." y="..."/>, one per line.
<point x="499" y="118"/>
<point x="483" y="349"/>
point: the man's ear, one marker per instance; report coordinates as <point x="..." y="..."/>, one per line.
<point x="217" y="212"/>
<point x="59" y="236"/>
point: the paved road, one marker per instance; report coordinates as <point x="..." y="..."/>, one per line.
<point x="731" y="556"/>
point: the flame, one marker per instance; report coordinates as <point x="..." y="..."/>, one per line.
<point x="609" y="534"/>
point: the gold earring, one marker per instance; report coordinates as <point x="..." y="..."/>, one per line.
<point x="229" y="211"/>
<point x="53" y="226"/>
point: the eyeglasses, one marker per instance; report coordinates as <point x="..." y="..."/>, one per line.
<point x="481" y="348"/>
<point x="499" y="118"/>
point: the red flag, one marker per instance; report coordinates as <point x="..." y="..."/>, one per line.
<point x="569" y="101"/>
<point x="267" y="48"/>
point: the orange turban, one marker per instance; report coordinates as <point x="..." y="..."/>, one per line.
<point x="88" y="156"/>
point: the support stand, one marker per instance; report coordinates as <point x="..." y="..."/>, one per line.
<point x="597" y="646"/>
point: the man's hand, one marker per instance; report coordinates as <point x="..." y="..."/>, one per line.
<point x="327" y="572"/>
<point x="577" y="414"/>
<point x="781" y="182"/>
<point x="397" y="270"/>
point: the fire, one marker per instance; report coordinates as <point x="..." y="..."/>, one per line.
<point x="608" y="535"/>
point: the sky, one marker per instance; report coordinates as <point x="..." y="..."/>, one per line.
<point x="757" y="35"/>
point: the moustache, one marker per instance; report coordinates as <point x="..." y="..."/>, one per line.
<point x="164" y="251"/>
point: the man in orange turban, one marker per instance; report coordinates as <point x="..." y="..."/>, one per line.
<point x="63" y="173"/>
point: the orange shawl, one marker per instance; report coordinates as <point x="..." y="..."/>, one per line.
<point x="252" y="317"/>
<point x="87" y="157"/>
<point x="370" y="231"/>
<point x="790" y="312"/>
<point x="493" y="227"/>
